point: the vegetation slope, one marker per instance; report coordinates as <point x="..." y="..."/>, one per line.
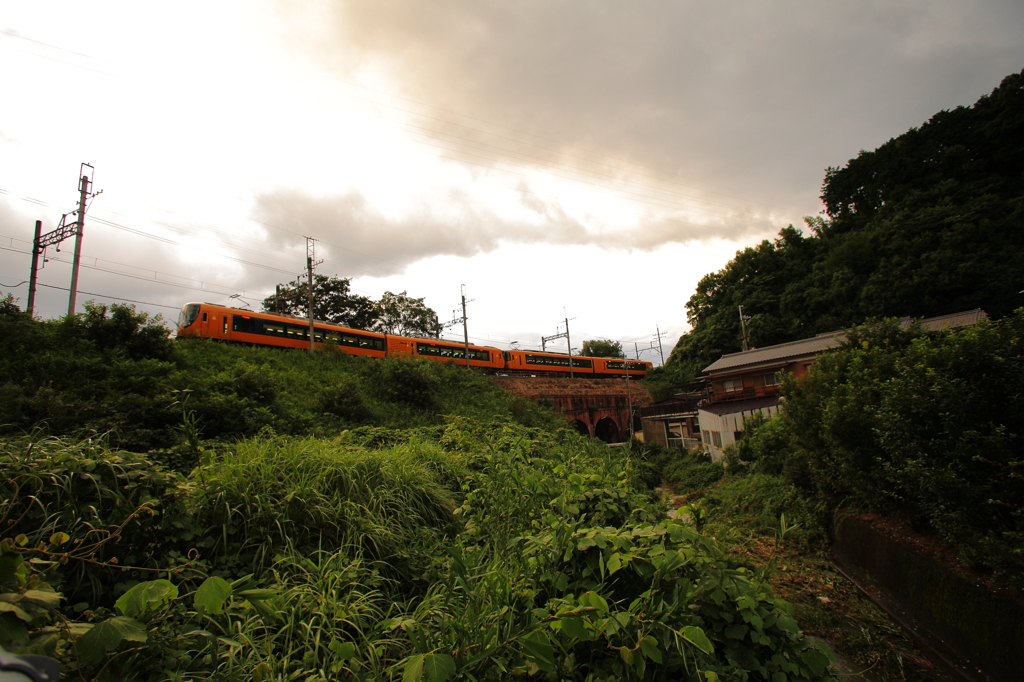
<point x="201" y="511"/>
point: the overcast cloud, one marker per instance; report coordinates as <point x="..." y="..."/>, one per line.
<point x="712" y="119"/>
<point x="427" y="144"/>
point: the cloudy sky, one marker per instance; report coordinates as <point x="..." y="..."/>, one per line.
<point x="591" y="159"/>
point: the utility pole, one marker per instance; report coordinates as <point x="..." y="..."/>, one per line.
<point x="465" y="329"/>
<point x="568" y="341"/>
<point x="629" y="400"/>
<point x="660" y="351"/>
<point x="64" y="230"/>
<point x="277" y="299"/>
<point x="36" y="250"/>
<point x="743" y="328"/>
<point x="310" y="264"/>
<point x="456" y="319"/>
<point x="84" y="184"/>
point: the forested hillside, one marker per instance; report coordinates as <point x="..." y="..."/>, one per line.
<point x="926" y="224"/>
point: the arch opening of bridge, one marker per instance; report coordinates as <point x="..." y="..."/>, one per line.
<point x="596" y="408"/>
<point x="580" y="427"/>
<point x="607" y="430"/>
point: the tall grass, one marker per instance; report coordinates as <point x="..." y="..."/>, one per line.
<point x="314" y="494"/>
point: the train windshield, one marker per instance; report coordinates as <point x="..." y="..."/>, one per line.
<point x="188" y="315"/>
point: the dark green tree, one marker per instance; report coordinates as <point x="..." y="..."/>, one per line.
<point x="597" y="348"/>
<point x="9" y="305"/>
<point x="332" y="302"/>
<point x="400" y="314"/>
<point x="119" y="329"/>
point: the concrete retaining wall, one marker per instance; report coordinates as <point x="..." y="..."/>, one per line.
<point x="978" y="633"/>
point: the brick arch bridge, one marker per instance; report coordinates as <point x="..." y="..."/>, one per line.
<point x="598" y="408"/>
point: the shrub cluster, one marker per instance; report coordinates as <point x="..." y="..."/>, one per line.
<point x="925" y="425"/>
<point x="474" y="550"/>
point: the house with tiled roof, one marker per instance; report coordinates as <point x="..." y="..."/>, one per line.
<point x="739" y="385"/>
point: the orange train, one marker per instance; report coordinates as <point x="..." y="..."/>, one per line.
<point x="205" y="320"/>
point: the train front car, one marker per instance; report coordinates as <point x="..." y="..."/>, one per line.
<point x="544" y="364"/>
<point x="446" y="351"/>
<point x="615" y="367"/>
<point x="204" y="321"/>
<point x="188" y="320"/>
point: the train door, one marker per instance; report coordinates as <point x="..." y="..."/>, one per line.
<point x="204" y="324"/>
<point x="399" y="346"/>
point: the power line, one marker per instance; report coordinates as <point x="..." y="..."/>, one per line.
<point x="115" y="298"/>
<point x="172" y="242"/>
<point x="147" y="279"/>
<point x="159" y="238"/>
<point x="55" y="47"/>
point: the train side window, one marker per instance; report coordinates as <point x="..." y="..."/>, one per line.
<point x="242" y="324"/>
<point x="225" y="330"/>
<point x="204" y="317"/>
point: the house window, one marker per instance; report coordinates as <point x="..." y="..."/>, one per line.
<point x="716" y="439"/>
<point x="707" y="436"/>
<point x="730" y="385"/>
<point x="772" y="379"/>
<point x="737" y="436"/>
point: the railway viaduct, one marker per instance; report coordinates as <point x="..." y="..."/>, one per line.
<point x="598" y="408"/>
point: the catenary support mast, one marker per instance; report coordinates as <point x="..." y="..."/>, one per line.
<point x="84" y="185"/>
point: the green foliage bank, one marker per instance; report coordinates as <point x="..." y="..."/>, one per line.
<point x="480" y="554"/>
<point x="928" y="426"/>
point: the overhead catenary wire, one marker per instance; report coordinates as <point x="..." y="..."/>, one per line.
<point x="201" y="288"/>
<point x="480" y="340"/>
<point x="114" y="298"/>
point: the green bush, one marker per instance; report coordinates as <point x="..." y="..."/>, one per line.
<point x="690" y="473"/>
<point x="757" y="502"/>
<point x="926" y="425"/>
<point x="117" y="508"/>
<point x="557" y="562"/>
<point x="267" y="494"/>
<point x="345" y="401"/>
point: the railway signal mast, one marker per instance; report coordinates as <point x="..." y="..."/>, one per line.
<point x="64" y="230"/>
<point x="310" y="264"/>
<point x="544" y="340"/>
<point x="462" y="320"/>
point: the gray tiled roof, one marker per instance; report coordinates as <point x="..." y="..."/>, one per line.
<point x="949" y="321"/>
<point x="742" y="406"/>
<point x="782" y="351"/>
<point x="823" y="342"/>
